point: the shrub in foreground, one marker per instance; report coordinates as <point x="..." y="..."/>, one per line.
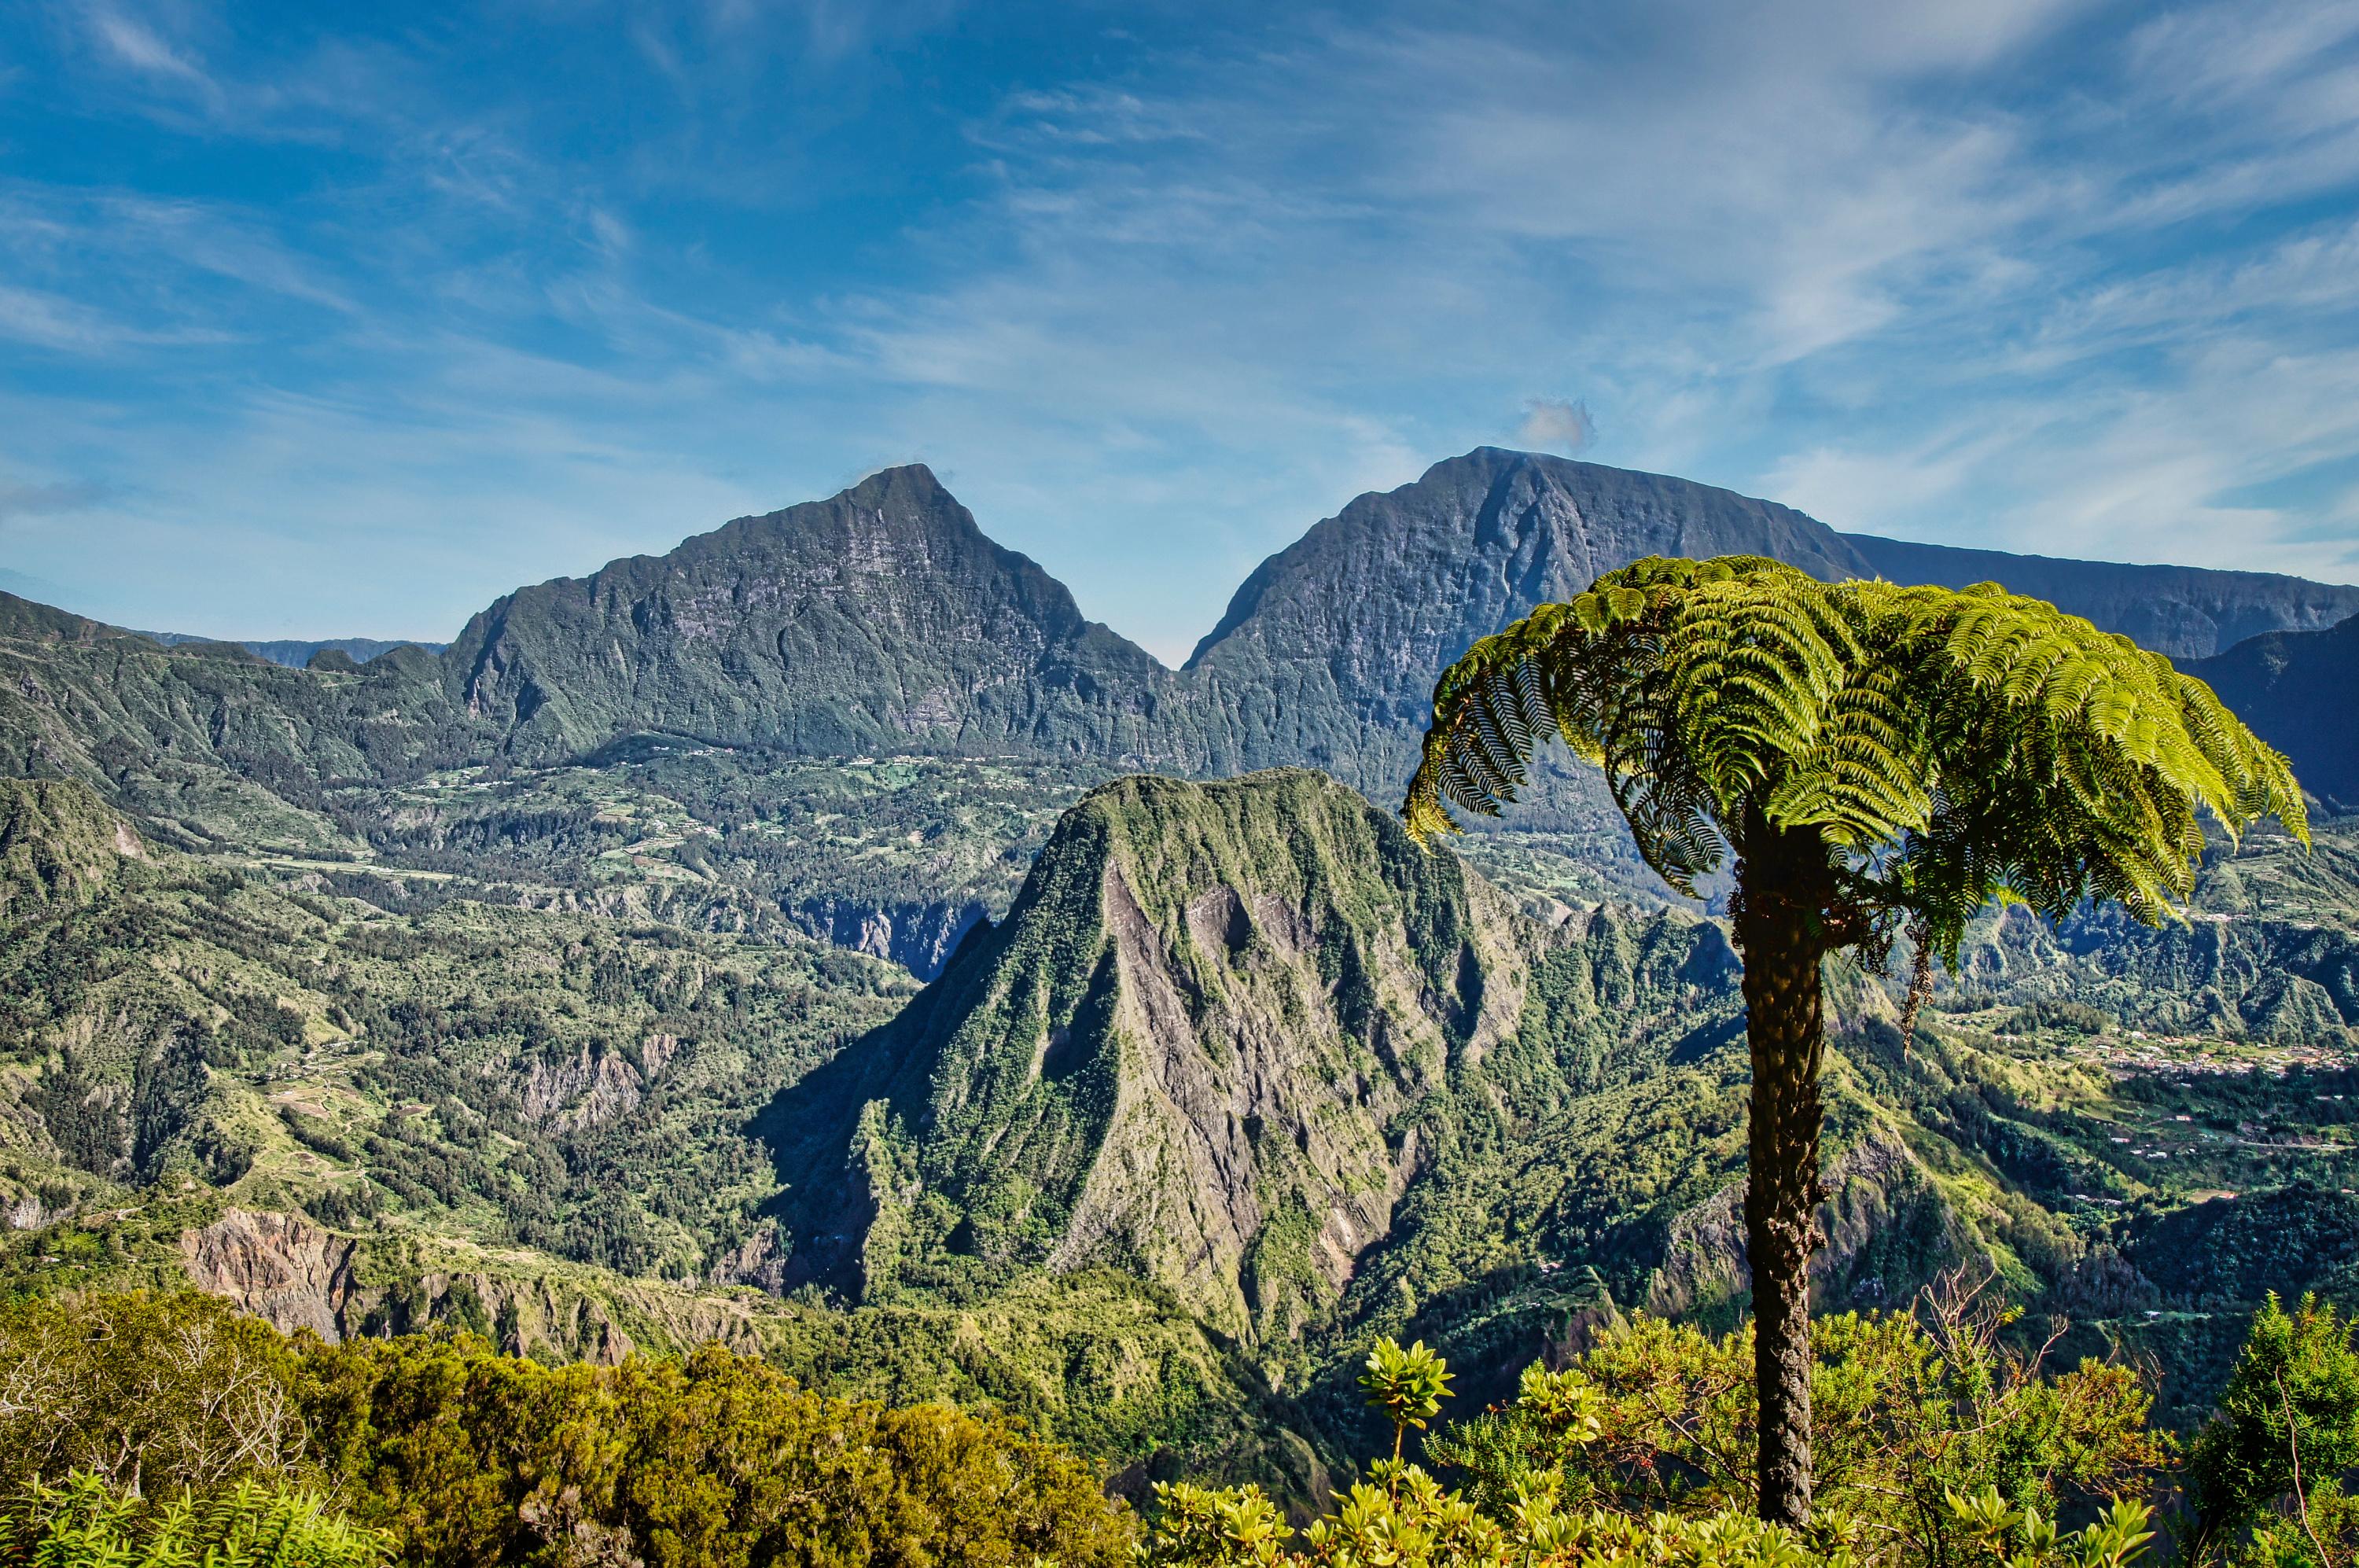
<point x="466" y="1456"/>
<point x="1912" y="1409"/>
<point x="473" y="1457"/>
<point x="2272" y="1460"/>
<point x="85" y="1523"/>
<point x="1939" y="1448"/>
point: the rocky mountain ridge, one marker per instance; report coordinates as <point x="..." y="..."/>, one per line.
<point x="883" y="620"/>
<point x="880" y="618"/>
<point x="2186" y="612"/>
<point x="297" y="653"/>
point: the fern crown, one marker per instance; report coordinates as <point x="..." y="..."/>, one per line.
<point x="1950" y="746"/>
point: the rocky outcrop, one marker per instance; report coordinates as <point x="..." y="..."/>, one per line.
<point x="919" y="936"/>
<point x="1875" y="1187"/>
<point x="59" y="844"/>
<point x="280" y="1267"/>
<point x="295" y="1275"/>
<point x="759" y="1260"/>
<point x="595" y="1086"/>
<point x="592" y="1086"/>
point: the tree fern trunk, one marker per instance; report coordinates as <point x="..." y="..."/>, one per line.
<point x="1782" y="886"/>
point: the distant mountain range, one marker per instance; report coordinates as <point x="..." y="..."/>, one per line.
<point x="2186" y="612"/>
<point x="2300" y="690"/>
<point x="883" y="620"/>
<point x="298" y="655"/>
<point x="885" y="617"/>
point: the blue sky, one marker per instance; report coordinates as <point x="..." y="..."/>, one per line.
<point x="342" y="321"/>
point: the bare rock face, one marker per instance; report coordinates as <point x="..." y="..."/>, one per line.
<point x="281" y="1267"/>
<point x="920" y="936"/>
<point x="60" y="844"/>
<point x="758" y="1261"/>
<point x="595" y="1086"/>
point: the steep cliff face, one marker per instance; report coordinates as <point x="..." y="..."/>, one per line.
<point x="2184" y="610"/>
<point x="281" y="1267"/>
<point x="1328" y="654"/>
<point x="1208" y="1046"/>
<point x="2295" y="688"/>
<point x="919" y="936"/>
<point x="879" y="618"/>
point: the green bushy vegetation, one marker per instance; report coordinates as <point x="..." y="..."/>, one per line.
<point x="150" y="1429"/>
<point x="461" y="1454"/>
<point x="1940" y="1444"/>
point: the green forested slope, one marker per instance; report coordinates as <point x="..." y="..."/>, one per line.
<point x="532" y="1123"/>
<point x="1244" y="1040"/>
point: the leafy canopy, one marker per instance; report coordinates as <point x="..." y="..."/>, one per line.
<point x="1952" y="747"/>
<point x="2287" y="1426"/>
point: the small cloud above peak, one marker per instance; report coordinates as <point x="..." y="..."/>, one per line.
<point x="1552" y="424"/>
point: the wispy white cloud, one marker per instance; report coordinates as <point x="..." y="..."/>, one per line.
<point x="53" y="321"/>
<point x="129" y="42"/>
<point x="20" y="499"/>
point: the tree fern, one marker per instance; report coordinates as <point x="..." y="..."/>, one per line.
<point x="1871" y="755"/>
<point x="1956" y="747"/>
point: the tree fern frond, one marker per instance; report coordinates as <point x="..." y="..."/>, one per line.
<point x="1980" y="743"/>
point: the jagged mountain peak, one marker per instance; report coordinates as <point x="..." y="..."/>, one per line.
<point x="1556" y="523"/>
<point x="1198" y="1046"/>
<point x="882" y="617"/>
<point x="1329" y="651"/>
